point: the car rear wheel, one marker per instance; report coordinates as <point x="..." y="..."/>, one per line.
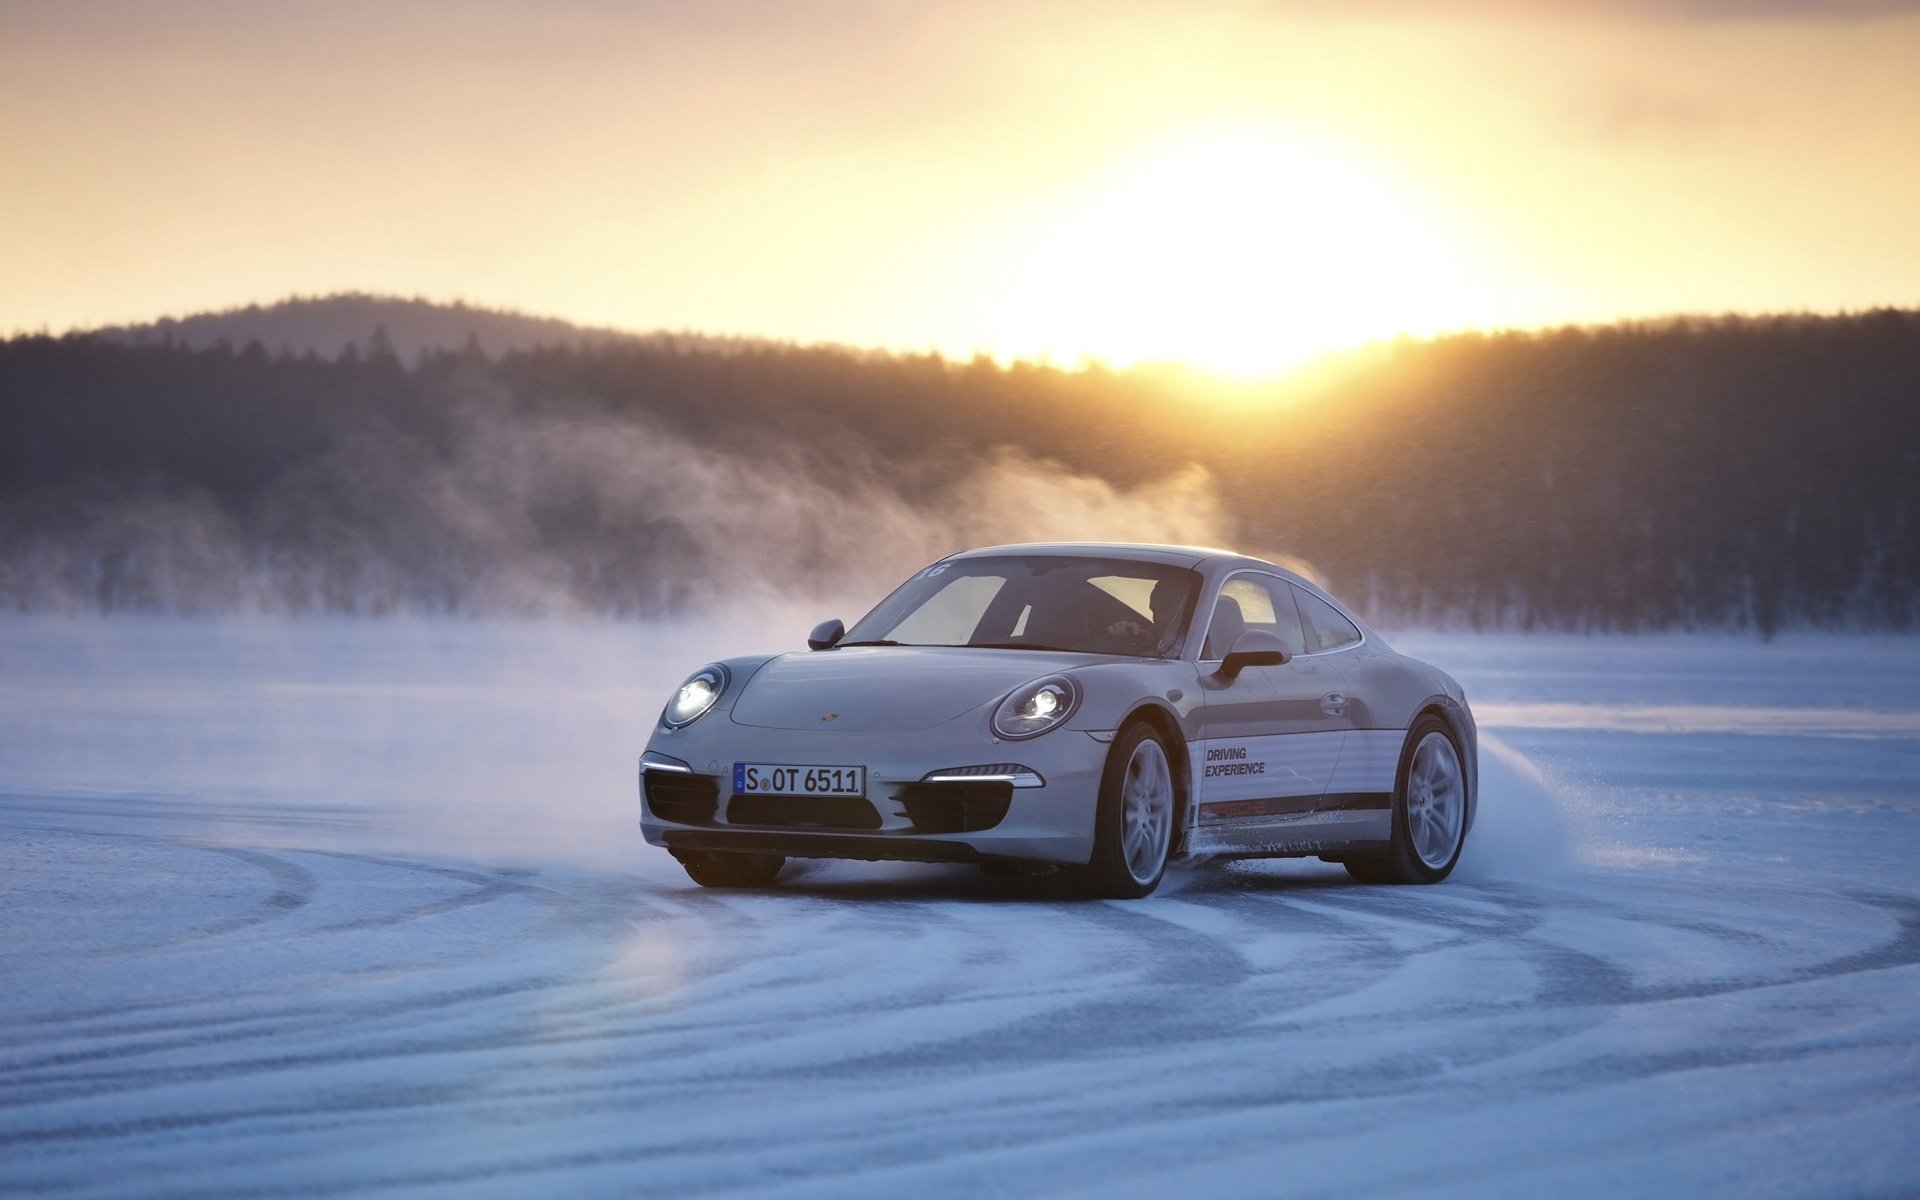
<point x="725" y="869"/>
<point x="1133" y="829"/>
<point x="1429" y="811"/>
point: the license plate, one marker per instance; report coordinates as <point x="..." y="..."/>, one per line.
<point x="787" y="779"/>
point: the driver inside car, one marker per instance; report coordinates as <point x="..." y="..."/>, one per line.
<point x="1144" y="633"/>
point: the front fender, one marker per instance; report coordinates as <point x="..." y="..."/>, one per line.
<point x="1111" y="692"/>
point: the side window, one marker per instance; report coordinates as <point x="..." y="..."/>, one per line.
<point x="1326" y="628"/>
<point x="1253" y="602"/>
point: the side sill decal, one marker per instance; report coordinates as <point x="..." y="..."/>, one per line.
<point x="1355" y="801"/>
<point x="1221" y="811"/>
<point x="1241" y="810"/>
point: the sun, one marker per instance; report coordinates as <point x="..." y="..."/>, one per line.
<point x="1245" y="253"/>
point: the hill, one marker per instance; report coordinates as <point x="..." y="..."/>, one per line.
<point x="327" y="325"/>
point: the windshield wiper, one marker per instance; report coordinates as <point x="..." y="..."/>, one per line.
<point x="874" y="642"/>
<point x="1022" y="646"/>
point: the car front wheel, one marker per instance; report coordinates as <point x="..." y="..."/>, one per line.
<point x="1133" y="828"/>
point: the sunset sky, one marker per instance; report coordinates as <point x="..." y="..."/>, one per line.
<point x="1238" y="184"/>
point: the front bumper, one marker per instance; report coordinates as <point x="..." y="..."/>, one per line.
<point x="903" y="816"/>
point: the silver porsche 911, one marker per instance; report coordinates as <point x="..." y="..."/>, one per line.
<point x="1098" y="708"/>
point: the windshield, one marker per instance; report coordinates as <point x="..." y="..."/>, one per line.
<point x="1035" y="602"/>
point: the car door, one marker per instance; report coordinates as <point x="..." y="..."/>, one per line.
<point x="1271" y="737"/>
<point x="1363" y="780"/>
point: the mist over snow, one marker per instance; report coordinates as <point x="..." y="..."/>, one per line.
<point x="383" y="527"/>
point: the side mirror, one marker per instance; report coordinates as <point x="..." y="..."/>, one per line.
<point x="1254" y="648"/>
<point x="826" y="635"/>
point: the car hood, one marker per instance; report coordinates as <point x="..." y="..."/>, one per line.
<point x="867" y="689"/>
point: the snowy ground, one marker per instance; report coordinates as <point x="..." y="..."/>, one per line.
<point x="323" y="908"/>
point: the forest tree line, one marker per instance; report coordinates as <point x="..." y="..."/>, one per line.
<point x="1758" y="473"/>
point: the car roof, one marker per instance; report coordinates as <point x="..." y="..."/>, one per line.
<point x="1211" y="559"/>
<point x="1182" y="556"/>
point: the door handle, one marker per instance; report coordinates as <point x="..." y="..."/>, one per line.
<point x="1334" y="704"/>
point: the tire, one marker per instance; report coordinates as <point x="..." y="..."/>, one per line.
<point x="1133" y="827"/>
<point x="1429" y="811"/>
<point x="1371" y="869"/>
<point x="726" y="869"/>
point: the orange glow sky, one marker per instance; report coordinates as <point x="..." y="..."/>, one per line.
<point x="1239" y="184"/>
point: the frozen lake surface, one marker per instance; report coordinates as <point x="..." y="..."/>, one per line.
<point x="319" y="908"/>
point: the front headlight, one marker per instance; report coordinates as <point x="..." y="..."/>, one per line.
<point x="1036" y="707"/>
<point x="695" y="696"/>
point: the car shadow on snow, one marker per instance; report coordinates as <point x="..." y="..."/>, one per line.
<point x="829" y="879"/>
